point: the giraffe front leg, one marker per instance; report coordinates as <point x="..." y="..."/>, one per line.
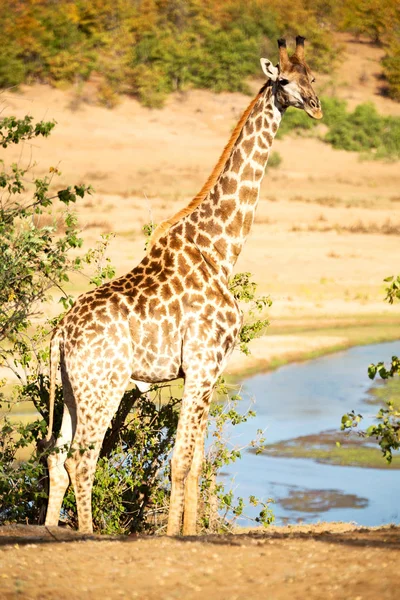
<point x="190" y="429"/>
<point x="192" y="482"/>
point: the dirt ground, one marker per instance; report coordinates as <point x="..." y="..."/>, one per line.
<point x="332" y="561"/>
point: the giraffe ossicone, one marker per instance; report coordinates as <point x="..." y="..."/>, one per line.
<point x="171" y="316"/>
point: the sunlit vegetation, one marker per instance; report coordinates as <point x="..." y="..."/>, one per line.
<point x="150" y="48"/>
<point x="364" y="130"/>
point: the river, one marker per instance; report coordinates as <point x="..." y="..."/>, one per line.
<point x="308" y="398"/>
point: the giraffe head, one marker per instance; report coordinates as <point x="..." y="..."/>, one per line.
<point x="293" y="79"/>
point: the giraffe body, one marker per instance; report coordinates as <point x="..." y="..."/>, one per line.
<point x="171" y="316"/>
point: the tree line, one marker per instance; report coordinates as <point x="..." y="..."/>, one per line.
<point x="149" y="48"/>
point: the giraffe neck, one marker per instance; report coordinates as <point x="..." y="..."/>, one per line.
<point x="220" y="224"/>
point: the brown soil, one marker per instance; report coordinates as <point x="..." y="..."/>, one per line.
<point x="332" y="561"/>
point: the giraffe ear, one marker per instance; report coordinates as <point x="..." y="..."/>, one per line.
<point x="268" y="69"/>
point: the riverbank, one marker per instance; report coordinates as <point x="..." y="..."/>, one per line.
<point x="288" y="342"/>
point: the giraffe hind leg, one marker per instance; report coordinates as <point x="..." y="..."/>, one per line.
<point x="92" y="425"/>
<point x="59" y="479"/>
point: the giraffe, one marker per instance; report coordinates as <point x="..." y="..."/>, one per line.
<point x="172" y="315"/>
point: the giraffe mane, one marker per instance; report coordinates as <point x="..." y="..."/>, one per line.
<point x="164" y="226"/>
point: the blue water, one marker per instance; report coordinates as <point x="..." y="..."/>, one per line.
<point x="307" y="398"/>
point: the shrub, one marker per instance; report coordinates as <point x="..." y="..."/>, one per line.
<point x="386" y="429"/>
<point x="364" y="130"/>
<point x="274" y="160"/>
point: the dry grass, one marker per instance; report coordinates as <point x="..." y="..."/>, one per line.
<point x="54" y="220"/>
<point x="385" y="228"/>
<point x="104" y="226"/>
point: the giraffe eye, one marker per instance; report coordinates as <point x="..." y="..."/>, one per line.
<point x="313" y="80"/>
<point x="284" y="81"/>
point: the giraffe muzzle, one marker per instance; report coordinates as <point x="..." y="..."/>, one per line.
<point x="313" y="108"/>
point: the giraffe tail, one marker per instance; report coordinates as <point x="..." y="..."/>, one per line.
<point x="54" y="360"/>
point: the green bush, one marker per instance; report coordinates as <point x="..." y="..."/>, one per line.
<point x="274" y="160"/>
<point x="364" y="130"/>
<point x="386" y="428"/>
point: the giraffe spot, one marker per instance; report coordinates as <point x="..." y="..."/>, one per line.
<point x="215" y="195"/>
<point x="174" y="309"/>
<point x="141" y="306"/>
<point x="248" y="145"/>
<point x="208" y="312"/>
<point x="193" y="254"/>
<point x="235" y="250"/>
<point x="237" y="160"/>
<point x="202" y="240"/>
<point x="227" y="343"/>
<point x="194" y="217"/>
<point x="162" y="362"/>
<point x="268" y="137"/>
<point x="162" y="276"/>
<point x="166" y="292"/>
<point x="206" y="210"/>
<point x="156" y="251"/>
<point x="165" y="329"/>
<point x="169" y="260"/>
<point x="247" y="223"/>
<point x="260" y="158"/>
<point x="96" y="328"/>
<point x="183" y="265"/>
<point x="235" y="226"/>
<point x="228" y="185"/>
<point x="274" y="127"/>
<point x="135" y="280"/>
<point x="248" y="195"/>
<point x="177" y="285"/>
<point x="219" y="333"/>
<point x="231" y="317"/>
<point x="248" y="173"/>
<point x="189" y="230"/>
<point x="154" y="305"/>
<point x="225" y="209"/>
<point x="259" y="122"/>
<point x="249" y="128"/>
<point x="108" y="353"/>
<point x="151" y="335"/>
<point x="221" y="247"/>
<point x="84" y="309"/>
<point x="123" y="309"/>
<point x="269" y="114"/>
<point x="261" y="143"/>
<point x="214" y="229"/>
<point x="193" y="281"/>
